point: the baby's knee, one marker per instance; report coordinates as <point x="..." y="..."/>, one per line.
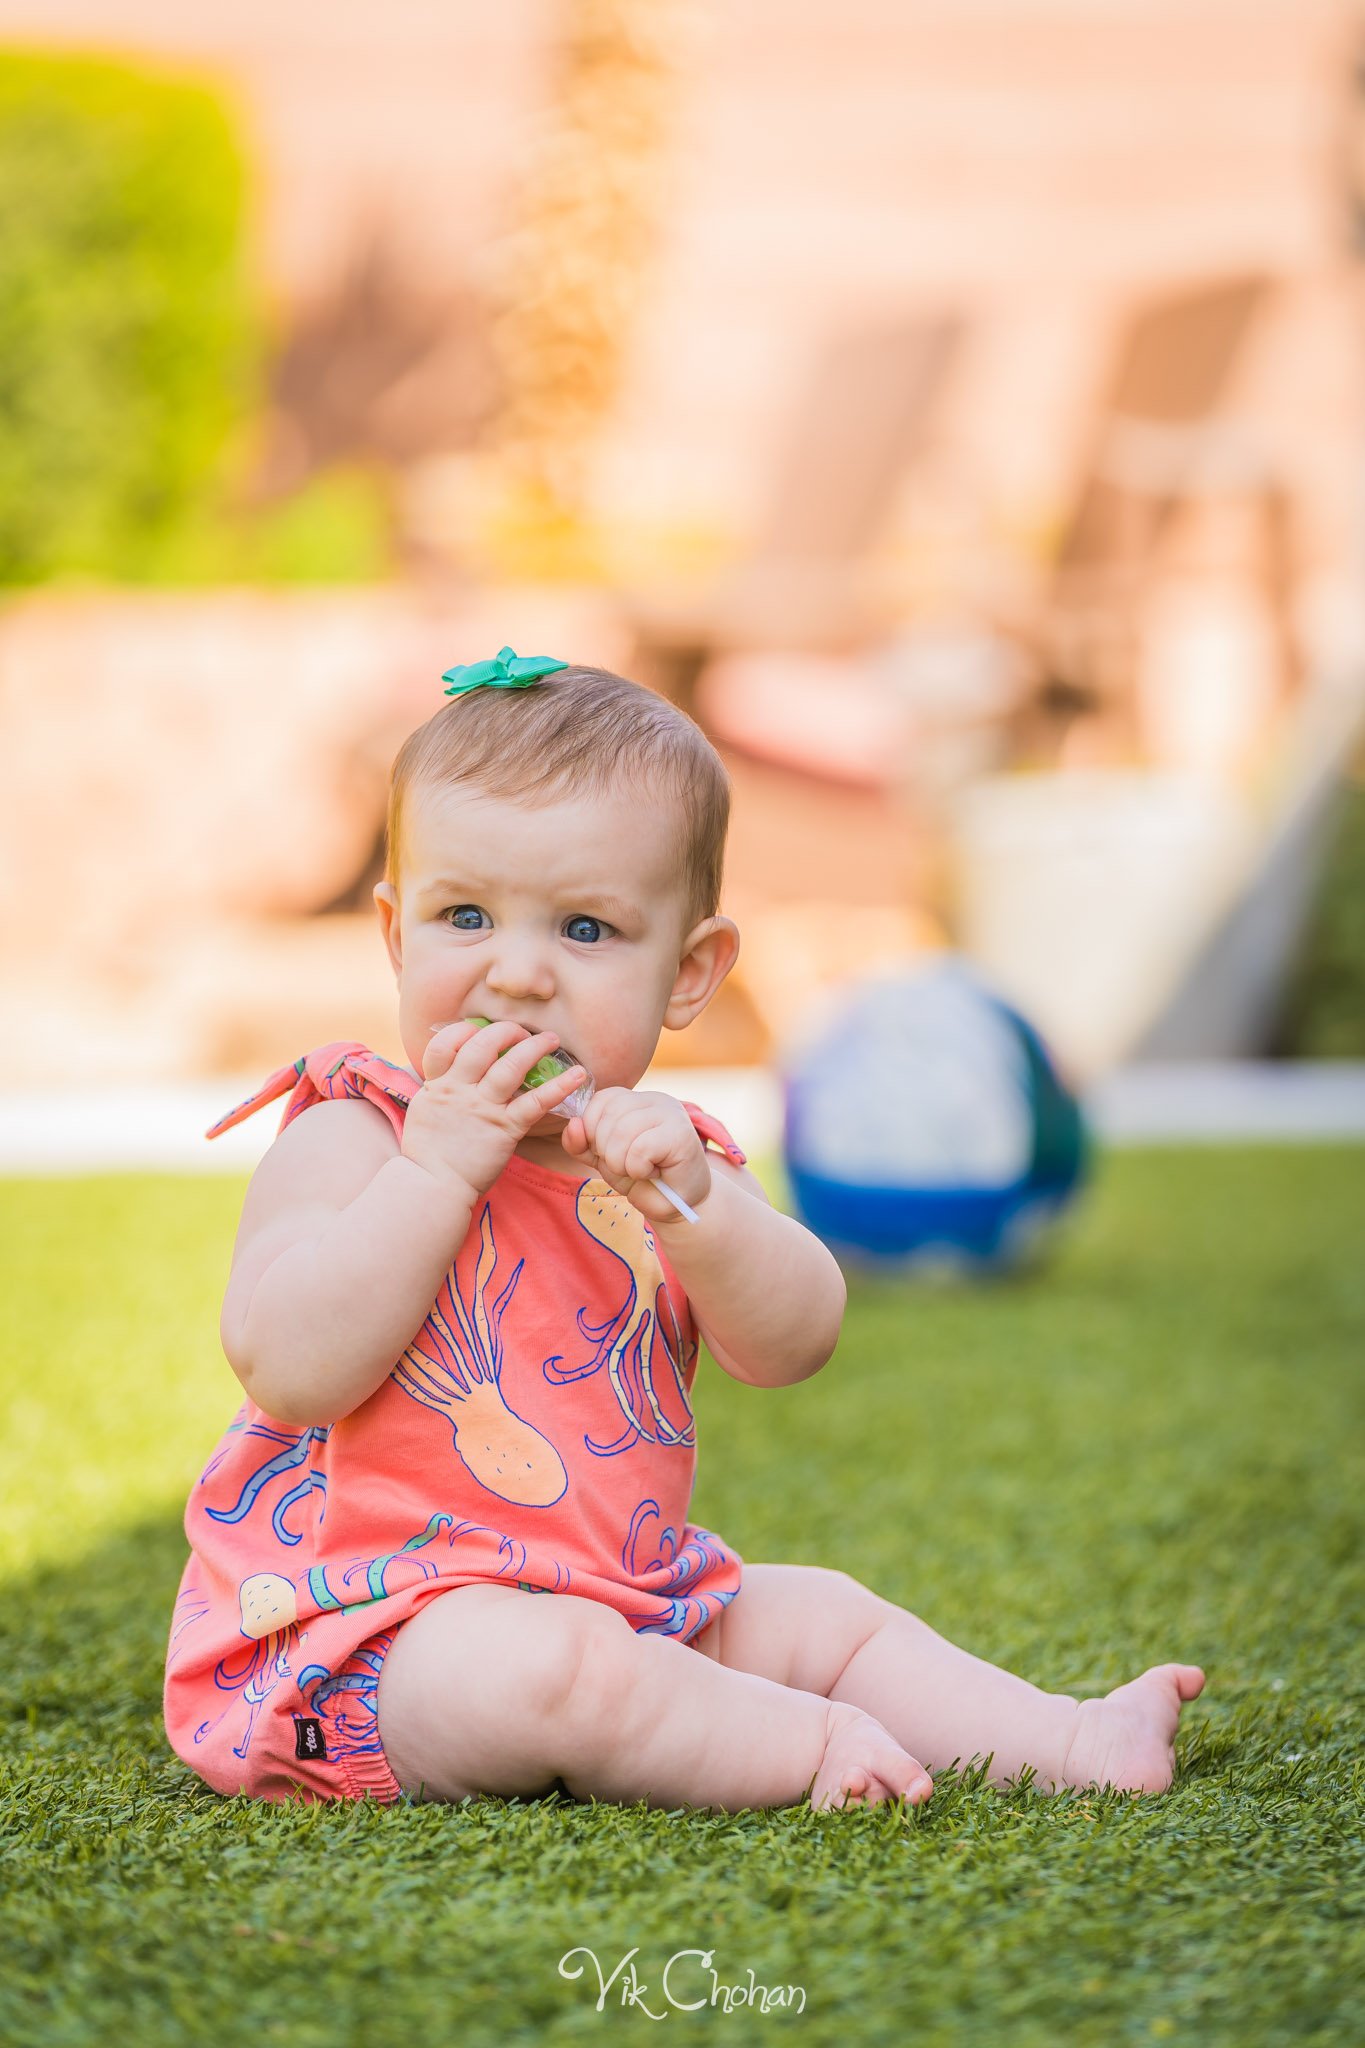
<point x="485" y="1691"/>
<point x="842" y="1593"/>
<point x="582" y="1675"/>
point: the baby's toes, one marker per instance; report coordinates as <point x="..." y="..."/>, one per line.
<point x="901" y="1777"/>
<point x="863" y="1764"/>
<point x="1189" y="1680"/>
<point x="853" y="1787"/>
<point x="1164" y="1690"/>
<point x="917" y="1788"/>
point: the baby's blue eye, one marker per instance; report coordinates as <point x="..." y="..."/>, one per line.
<point x="460" y="916"/>
<point x="585" y="929"/>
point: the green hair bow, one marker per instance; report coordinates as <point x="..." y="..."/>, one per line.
<point x="506" y="671"/>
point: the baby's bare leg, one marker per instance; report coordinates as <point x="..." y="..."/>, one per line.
<point x="823" y="1630"/>
<point x="489" y="1690"/>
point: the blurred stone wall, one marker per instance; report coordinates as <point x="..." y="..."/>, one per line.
<point x="187" y="779"/>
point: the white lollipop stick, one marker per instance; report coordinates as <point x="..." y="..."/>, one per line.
<point x="672" y="1195"/>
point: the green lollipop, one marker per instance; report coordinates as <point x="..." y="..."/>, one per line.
<point x="548" y="1068"/>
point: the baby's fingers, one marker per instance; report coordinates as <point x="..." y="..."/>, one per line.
<point x="534" y="1103"/>
<point x="509" y="1069"/>
<point x="638" y="1143"/>
<point x="651" y="1152"/>
<point x="441" y="1048"/>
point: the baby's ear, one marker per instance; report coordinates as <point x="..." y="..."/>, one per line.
<point x="390" y="924"/>
<point x="710" y="950"/>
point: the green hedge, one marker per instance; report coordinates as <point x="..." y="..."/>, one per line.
<point x="126" y="335"/>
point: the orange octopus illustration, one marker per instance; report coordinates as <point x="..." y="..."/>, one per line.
<point x="454" y="1365"/>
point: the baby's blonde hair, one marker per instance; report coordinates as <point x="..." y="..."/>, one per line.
<point x="579" y="731"/>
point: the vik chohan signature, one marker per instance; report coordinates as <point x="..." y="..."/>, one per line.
<point x="689" y="1982"/>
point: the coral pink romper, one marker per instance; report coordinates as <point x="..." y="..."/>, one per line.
<point x="536" y="1432"/>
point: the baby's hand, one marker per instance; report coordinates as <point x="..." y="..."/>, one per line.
<point x="631" y="1140"/>
<point x="470" y="1113"/>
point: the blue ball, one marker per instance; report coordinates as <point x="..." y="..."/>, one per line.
<point x="925" y="1125"/>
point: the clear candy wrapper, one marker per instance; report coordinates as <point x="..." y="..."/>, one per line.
<point x="560" y="1063"/>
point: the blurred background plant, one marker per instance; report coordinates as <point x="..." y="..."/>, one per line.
<point x="133" y="345"/>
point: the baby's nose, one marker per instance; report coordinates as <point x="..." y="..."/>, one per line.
<point x="521" y="969"/>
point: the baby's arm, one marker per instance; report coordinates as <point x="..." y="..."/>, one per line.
<point x="767" y="1295"/>
<point x="341" y="1250"/>
<point x="345" y="1238"/>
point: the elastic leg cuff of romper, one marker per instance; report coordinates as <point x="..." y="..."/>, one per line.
<point x="368" y="1776"/>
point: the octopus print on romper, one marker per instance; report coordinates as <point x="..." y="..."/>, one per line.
<point x="538" y="1431"/>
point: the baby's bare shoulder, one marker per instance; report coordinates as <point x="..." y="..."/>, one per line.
<point x="319" y="1163"/>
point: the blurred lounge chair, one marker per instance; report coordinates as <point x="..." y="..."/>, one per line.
<point x="1157" y="445"/>
<point x="1142" y="915"/>
<point x="867" y="410"/>
<point x="1228" y="1002"/>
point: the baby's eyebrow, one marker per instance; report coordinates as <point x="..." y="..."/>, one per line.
<point x="611" y="906"/>
<point x="445" y="885"/>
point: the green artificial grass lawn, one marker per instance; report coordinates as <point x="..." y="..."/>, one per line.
<point x="1150" y="1448"/>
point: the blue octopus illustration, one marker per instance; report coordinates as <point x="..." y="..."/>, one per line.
<point x="297" y="1449"/>
<point x="627" y="1342"/>
<point x="649" y="1548"/>
<point x="347" y="1704"/>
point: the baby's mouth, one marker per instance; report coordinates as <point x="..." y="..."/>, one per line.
<point x="561" y="1051"/>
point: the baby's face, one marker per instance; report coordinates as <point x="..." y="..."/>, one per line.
<point x="564" y="916"/>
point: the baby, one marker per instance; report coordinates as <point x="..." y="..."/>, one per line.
<point x="467" y="1330"/>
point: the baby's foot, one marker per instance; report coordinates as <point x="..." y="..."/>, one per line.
<point x="1126" y="1739"/>
<point x="863" y="1765"/>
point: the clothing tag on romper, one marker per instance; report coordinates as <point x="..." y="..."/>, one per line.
<point x="308" y="1738"/>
